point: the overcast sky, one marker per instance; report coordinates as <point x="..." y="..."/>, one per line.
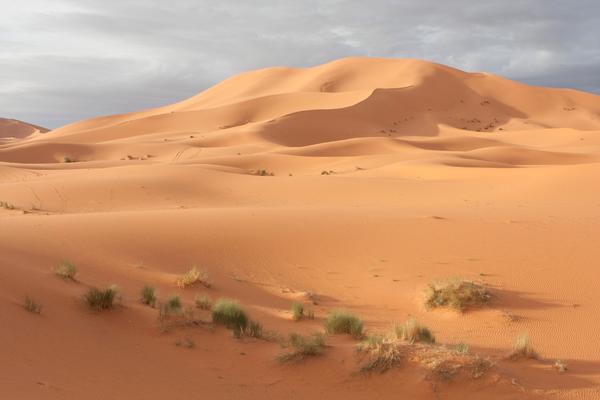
<point x="65" y="60"/>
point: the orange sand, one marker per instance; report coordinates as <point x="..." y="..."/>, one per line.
<point x="434" y="173"/>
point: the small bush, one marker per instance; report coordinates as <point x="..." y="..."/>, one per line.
<point x="148" y="296"/>
<point x="254" y="329"/>
<point x="203" y="302"/>
<point x="262" y="172"/>
<point x="412" y="332"/>
<point x="522" y="348"/>
<point x="173" y="303"/>
<point x="297" y="311"/>
<point x="68" y="159"/>
<point x="303" y="347"/>
<point x="383" y="352"/>
<point x="66" y="269"/>
<point x="100" y="300"/>
<point x="228" y="312"/>
<point x="341" y="321"/>
<point x="457" y="293"/>
<point x="194" y="275"/>
<point x="560" y="366"/>
<point x="31" y="306"/>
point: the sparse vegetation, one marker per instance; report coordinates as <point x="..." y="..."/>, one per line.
<point x="297" y="311"/>
<point x="412" y="332"/>
<point x="303" y="347"/>
<point x="148" y="296"/>
<point x="68" y="159"/>
<point x="32" y="306"/>
<point x="66" y="269"/>
<point x="229" y="313"/>
<point x="99" y="300"/>
<point x="457" y="293"/>
<point x="522" y="348"/>
<point x="173" y="303"/>
<point x="254" y="329"/>
<point x="203" y="302"/>
<point x="560" y="366"/>
<point x="461" y="348"/>
<point x="6" y="205"/>
<point x="383" y="353"/>
<point x="262" y="172"/>
<point x="341" y="321"/>
<point x="194" y="275"/>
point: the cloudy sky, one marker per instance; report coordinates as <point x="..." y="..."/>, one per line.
<point x="65" y="60"/>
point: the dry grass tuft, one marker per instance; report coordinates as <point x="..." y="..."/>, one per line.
<point x="341" y="321"/>
<point x="228" y="312"/>
<point x="32" y="306"/>
<point x="383" y="353"/>
<point x="297" y="311"/>
<point x="457" y="293"/>
<point x="412" y="332"/>
<point x="303" y="347"/>
<point x="66" y="269"/>
<point x="191" y="277"/>
<point x="148" y="295"/>
<point x="203" y="302"/>
<point x="522" y="349"/>
<point x="100" y="300"/>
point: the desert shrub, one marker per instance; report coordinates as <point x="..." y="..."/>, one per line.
<point x="456" y="293"/>
<point x="173" y="303"/>
<point x="148" y="296"/>
<point x="254" y="329"/>
<point x="203" y="302"/>
<point x="522" y="348"/>
<point x="262" y="172"/>
<point x="560" y="366"/>
<point x="302" y="347"/>
<point x="297" y="311"/>
<point x="194" y="275"/>
<point x="68" y="159"/>
<point x="66" y="269"/>
<point x="341" y="321"/>
<point x="383" y="353"/>
<point x="99" y="300"/>
<point x="412" y="332"/>
<point x="228" y="312"/>
<point x="461" y="348"/>
<point x="32" y="306"/>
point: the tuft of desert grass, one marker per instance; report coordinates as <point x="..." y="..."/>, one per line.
<point x="66" y="269"/>
<point x="253" y="329"/>
<point x="229" y="313"/>
<point x="6" y="205"/>
<point x="193" y="276"/>
<point x="342" y="321"/>
<point x="302" y="347"/>
<point x="456" y="293"/>
<point x="297" y="311"/>
<point x="148" y="295"/>
<point x="98" y="299"/>
<point x="522" y="348"/>
<point x="412" y="332"/>
<point x="560" y="366"/>
<point x="32" y="306"/>
<point x="203" y="302"/>
<point x="384" y="353"/>
<point x="262" y="172"/>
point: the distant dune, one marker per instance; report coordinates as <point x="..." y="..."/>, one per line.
<point x="12" y="128"/>
<point x="354" y="184"/>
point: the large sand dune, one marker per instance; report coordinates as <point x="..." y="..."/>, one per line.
<point x="388" y="174"/>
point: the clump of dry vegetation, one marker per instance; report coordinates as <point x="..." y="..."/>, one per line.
<point x="66" y="269"/>
<point x="6" y="205"/>
<point x="384" y="353"/>
<point x="262" y="172"/>
<point x="297" y="311"/>
<point x="98" y="299"/>
<point x="457" y="293"/>
<point x="413" y="332"/>
<point x="193" y="276"/>
<point x="203" y="302"/>
<point x="254" y="329"/>
<point x="229" y="313"/>
<point x="522" y="348"/>
<point x="342" y="321"/>
<point x="32" y="306"/>
<point x="148" y="296"/>
<point x="302" y="347"/>
<point x="560" y="366"/>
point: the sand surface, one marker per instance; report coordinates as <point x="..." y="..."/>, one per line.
<point x="388" y="174"/>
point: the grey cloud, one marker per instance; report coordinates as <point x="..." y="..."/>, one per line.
<point x="65" y="60"/>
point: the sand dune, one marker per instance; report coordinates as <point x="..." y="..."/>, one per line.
<point x="387" y="174"/>
<point x="12" y="128"/>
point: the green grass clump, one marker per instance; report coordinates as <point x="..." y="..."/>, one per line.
<point x="99" y="300"/>
<point x="229" y="313"/>
<point x="203" y="302"/>
<point x="412" y="332"/>
<point x="457" y="293"/>
<point x="66" y="269"/>
<point x="297" y="311"/>
<point x="522" y="348"/>
<point x="148" y="295"/>
<point x="194" y="275"/>
<point x="341" y="321"/>
<point x="254" y="329"/>
<point x="302" y="347"/>
<point x="32" y="306"/>
<point x="173" y="303"/>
